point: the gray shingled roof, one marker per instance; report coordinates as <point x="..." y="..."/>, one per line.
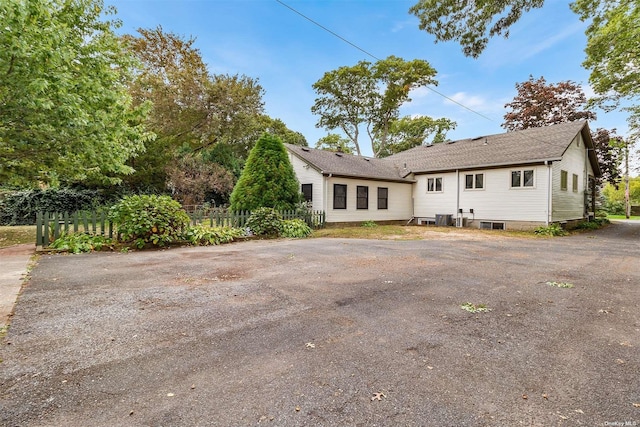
<point x="348" y="165"/>
<point x="528" y="146"/>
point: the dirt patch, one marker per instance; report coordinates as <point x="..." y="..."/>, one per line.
<point x="307" y="332"/>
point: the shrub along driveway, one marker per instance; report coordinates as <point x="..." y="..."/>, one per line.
<point x="332" y="332"/>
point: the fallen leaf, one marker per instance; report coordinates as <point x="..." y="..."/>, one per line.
<point x="544" y="396"/>
<point x="637" y="405"/>
<point x="297" y="409"/>
<point x="524" y="396"/>
<point x="310" y="345"/>
<point x="619" y="361"/>
<point x="429" y="367"/>
<point x="377" y="396"/>
<point x="580" y="411"/>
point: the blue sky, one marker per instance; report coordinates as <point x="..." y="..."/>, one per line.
<point x="287" y="54"/>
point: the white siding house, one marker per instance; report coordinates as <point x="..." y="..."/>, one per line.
<point x="519" y="179"/>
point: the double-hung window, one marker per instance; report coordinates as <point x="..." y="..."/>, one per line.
<point x="362" y="193"/>
<point x="383" y="198"/>
<point x="339" y="196"/>
<point x="564" y="178"/>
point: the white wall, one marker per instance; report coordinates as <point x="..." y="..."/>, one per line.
<point x="308" y="175"/>
<point x="399" y="201"/>
<point x="500" y="202"/>
<point x="568" y="204"/>
<point x="432" y="203"/>
<point x="497" y="201"/>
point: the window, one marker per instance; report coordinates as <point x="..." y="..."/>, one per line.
<point x="522" y="178"/>
<point x="434" y="185"/>
<point x="307" y="192"/>
<point x="575" y="183"/>
<point x="339" y="196"/>
<point x="383" y="198"/>
<point x="362" y="194"/>
<point x="474" y="181"/>
<point x="564" y="177"/>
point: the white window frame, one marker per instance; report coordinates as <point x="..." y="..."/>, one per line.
<point x="434" y="187"/>
<point x="521" y="185"/>
<point x="475" y="181"/>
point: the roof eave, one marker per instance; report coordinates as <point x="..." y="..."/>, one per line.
<point x="489" y="165"/>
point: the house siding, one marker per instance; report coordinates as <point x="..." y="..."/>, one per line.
<point x="308" y="175"/>
<point x="399" y="201"/>
<point x="568" y="204"/>
<point x="497" y="201"/>
<point x="430" y="204"/>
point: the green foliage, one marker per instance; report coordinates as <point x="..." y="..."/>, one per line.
<point x="369" y="224"/>
<point x="595" y="224"/>
<point x="614" y="207"/>
<point x="475" y="308"/>
<point x="336" y="143"/>
<point x="65" y="115"/>
<point x="201" y="235"/>
<point x="408" y="132"/>
<point x="193" y="180"/>
<point x="615" y="193"/>
<point x="268" y="179"/>
<point x="156" y="220"/>
<point x="265" y="222"/>
<point x="20" y="207"/>
<point x="81" y="242"/>
<point x="368" y="94"/>
<point x="295" y="228"/>
<point x="551" y="230"/>
<point x="562" y="285"/>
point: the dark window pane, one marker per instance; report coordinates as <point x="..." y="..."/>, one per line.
<point x="307" y="191"/>
<point x="480" y="180"/>
<point x="339" y="196"/>
<point x="363" y="197"/>
<point x="438" y="184"/>
<point x="528" y="178"/>
<point x="383" y="198"/>
<point x="468" y="181"/>
<point x="430" y="184"/>
<point x="515" y="178"/>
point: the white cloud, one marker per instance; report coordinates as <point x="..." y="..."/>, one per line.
<point x="470" y="101"/>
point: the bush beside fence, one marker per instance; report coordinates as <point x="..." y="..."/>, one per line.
<point x="51" y="226"/>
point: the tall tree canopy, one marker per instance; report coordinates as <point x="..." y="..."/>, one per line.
<point x="368" y="95"/>
<point x="408" y="132"/>
<point x="195" y="114"/>
<point x="335" y="142"/>
<point x="471" y="23"/>
<point x="65" y="113"/>
<point x="268" y="179"/>
<point x="612" y="51"/>
<point x="539" y="103"/>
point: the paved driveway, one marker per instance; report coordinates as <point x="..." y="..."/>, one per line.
<point x="306" y="332"/>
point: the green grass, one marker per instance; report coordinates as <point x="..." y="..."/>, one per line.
<point x="635" y="218"/>
<point x="17" y="234"/>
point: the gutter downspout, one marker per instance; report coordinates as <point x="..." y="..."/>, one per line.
<point x="326" y="194"/>
<point x="457" y="194"/>
<point x="549" y="192"/>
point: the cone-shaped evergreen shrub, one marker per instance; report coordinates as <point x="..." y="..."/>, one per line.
<point x="268" y="179"/>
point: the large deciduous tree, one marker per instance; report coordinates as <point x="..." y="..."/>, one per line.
<point x="368" y="95"/>
<point x="65" y="113"/>
<point x="268" y="179"/>
<point x="471" y="23"/>
<point x="408" y="132"/>
<point x="612" y="51"/>
<point x="335" y="142"/>
<point x="539" y="103"/>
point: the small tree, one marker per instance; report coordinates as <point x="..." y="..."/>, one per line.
<point x="268" y="179"/>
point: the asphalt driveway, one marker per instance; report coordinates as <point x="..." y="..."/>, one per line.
<point x="332" y="332"/>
